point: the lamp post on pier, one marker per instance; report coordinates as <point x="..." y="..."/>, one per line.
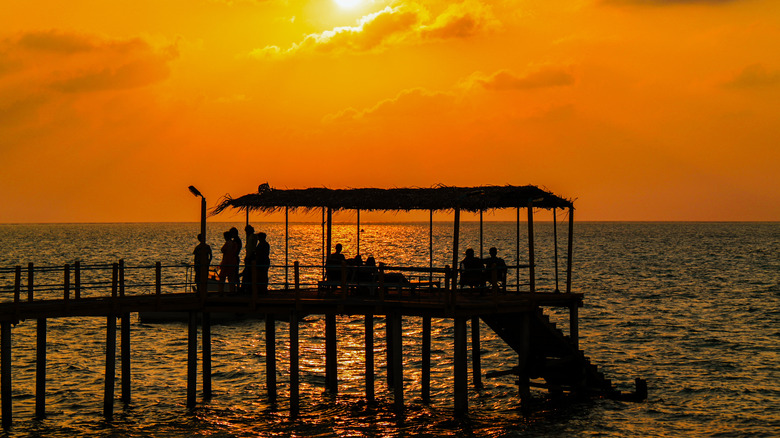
<point x="195" y="192"/>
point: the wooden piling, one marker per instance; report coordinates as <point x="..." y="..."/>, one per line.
<point x="476" y="358"/>
<point x="426" y="360"/>
<point x="398" y="364"/>
<point x="110" y="376"/>
<point x="460" y="368"/>
<point x="331" y="351"/>
<point x="40" y="370"/>
<point x="295" y="403"/>
<point x="125" y="356"/>
<point x="5" y="373"/>
<point x="369" y="354"/>
<point x="523" y="380"/>
<point x="206" y="354"/>
<point x="389" y="347"/>
<point x="192" y="359"/>
<point x="270" y="357"/>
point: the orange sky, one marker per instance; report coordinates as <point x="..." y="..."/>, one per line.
<point x="638" y="109"/>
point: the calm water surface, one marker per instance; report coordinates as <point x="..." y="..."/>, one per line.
<point x="692" y="307"/>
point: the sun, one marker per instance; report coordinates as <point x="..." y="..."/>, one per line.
<point x="347" y="4"/>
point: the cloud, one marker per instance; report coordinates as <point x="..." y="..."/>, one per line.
<point x="408" y="23"/>
<point x="506" y="80"/>
<point x="73" y="62"/>
<point x="461" y="20"/>
<point x="407" y="103"/>
<point x="755" y="76"/>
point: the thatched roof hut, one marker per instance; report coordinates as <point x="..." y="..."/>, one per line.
<point x="437" y="198"/>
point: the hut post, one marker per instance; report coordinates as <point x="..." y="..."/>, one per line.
<point x="330" y="232"/>
<point x="270" y="357"/>
<point x="517" y="248"/>
<point x="110" y="376"/>
<point x="286" y="247"/>
<point x="6" y="391"/>
<point x="297" y="279"/>
<point x="430" y="246"/>
<point x="455" y="242"/>
<point x="358" y="231"/>
<point x="295" y="402"/>
<point x="369" y="354"/>
<point x="77" y="280"/>
<point x="460" y="368"/>
<point x="531" y="261"/>
<point x="331" y="352"/>
<point x="203" y="216"/>
<point x="570" y="250"/>
<point x="40" y="371"/>
<point x="206" y="353"/>
<point x="555" y="242"/>
<point x="192" y="358"/>
<point x="426" y="360"/>
<point x="481" y="237"/>
<point x="324" y="253"/>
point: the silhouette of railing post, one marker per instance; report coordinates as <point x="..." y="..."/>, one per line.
<point x="297" y="279"/>
<point x="77" y="280"/>
<point x="121" y="277"/>
<point x="17" y="286"/>
<point x="66" y="284"/>
<point x="30" y="279"/>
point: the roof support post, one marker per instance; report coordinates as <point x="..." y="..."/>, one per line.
<point x="322" y="246"/>
<point x="517" y="248"/>
<point x="286" y="247"/>
<point x="481" y="235"/>
<point x="455" y="239"/>
<point x="569" y="252"/>
<point x="329" y="237"/>
<point x="430" y="245"/>
<point x="358" y="231"/>
<point x="555" y="240"/>
<point x="531" y="270"/>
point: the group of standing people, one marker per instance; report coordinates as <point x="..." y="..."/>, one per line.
<point x="256" y="256"/>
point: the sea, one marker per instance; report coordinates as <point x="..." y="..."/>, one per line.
<point x="692" y="308"/>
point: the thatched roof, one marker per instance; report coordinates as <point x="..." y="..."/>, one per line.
<point x="471" y="199"/>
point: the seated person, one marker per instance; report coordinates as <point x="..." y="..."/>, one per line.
<point x="500" y="267"/>
<point x="471" y="270"/>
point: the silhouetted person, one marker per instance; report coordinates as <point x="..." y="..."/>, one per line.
<point x="368" y="272"/>
<point x="228" y="267"/>
<point x="249" y="259"/>
<point x="353" y="265"/>
<point x="263" y="257"/>
<point x="333" y="264"/>
<point x="202" y="263"/>
<point x="471" y="270"/>
<point x="500" y="267"/>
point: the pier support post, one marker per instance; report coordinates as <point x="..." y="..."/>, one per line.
<point x="389" y="350"/>
<point x="523" y="381"/>
<point x="40" y="371"/>
<point x="331" y="351"/>
<point x="476" y="359"/>
<point x="369" y="341"/>
<point x="192" y="359"/>
<point x="460" y="368"/>
<point x="426" y="360"/>
<point x="5" y="373"/>
<point x="206" y="353"/>
<point x="398" y="364"/>
<point x="270" y="357"/>
<point x="108" y="390"/>
<point x="125" y="356"/>
<point x="295" y="403"/>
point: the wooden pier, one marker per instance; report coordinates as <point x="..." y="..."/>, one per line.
<point x="548" y="356"/>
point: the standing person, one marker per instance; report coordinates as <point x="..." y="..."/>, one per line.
<point x="228" y="267"/>
<point x="263" y="257"/>
<point x="249" y="258"/>
<point x="202" y="263"/>
<point x="333" y="264"/>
